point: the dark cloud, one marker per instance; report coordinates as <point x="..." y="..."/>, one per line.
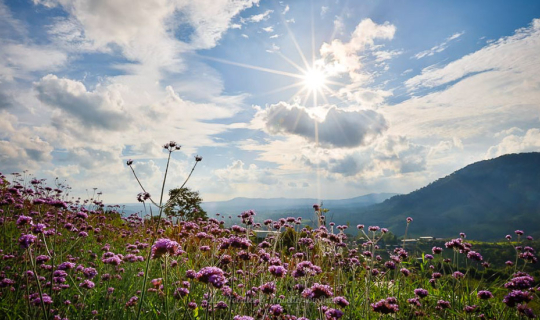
<point x="340" y="128"/>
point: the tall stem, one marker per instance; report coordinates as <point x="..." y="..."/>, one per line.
<point x="153" y="237"/>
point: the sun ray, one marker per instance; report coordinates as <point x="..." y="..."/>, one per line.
<point x="298" y="84"/>
<point x="296" y="45"/>
<point x="248" y="66"/>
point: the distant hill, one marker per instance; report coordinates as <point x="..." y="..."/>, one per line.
<point x="274" y="208"/>
<point x="486" y="200"/>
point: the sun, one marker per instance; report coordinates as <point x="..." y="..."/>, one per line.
<point x="314" y="79"/>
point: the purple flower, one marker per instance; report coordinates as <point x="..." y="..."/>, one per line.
<point x="519" y="232"/>
<point x="386" y="306"/>
<point x="164" y="246"/>
<point x="38" y="228"/>
<point x="132" y="301"/>
<point x="485" y="295"/>
<point x="212" y="275"/>
<point x="243" y="318"/>
<point x="268" y="288"/>
<point x="443" y="304"/>
<point x="318" y="291"/>
<point x="66" y="266"/>
<point x="332" y="314"/>
<point x="35" y="299"/>
<point x="374" y="228"/>
<point x="528" y="312"/>
<point x="181" y="292"/>
<point x="437" y="250"/>
<point x="90" y="273"/>
<point x="473" y="255"/>
<point x="522" y="281"/>
<point x="23" y="220"/>
<point x="508" y="237"/>
<point x="360" y="226"/>
<point x="414" y="301"/>
<point x="87" y="284"/>
<point x="341" y="301"/>
<point x="470" y="309"/>
<point x="405" y="271"/>
<point x="458" y="275"/>
<point x="409" y="219"/>
<point x="515" y="297"/>
<point x="422" y="293"/>
<point x="276" y="309"/>
<point x="278" y="271"/>
<point x="26" y="240"/>
<point x="428" y="256"/>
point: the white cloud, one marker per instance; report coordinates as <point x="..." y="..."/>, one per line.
<point x="506" y="54"/>
<point x="345" y="58"/>
<point x="18" y="60"/>
<point x="438" y="48"/>
<point x="237" y="173"/>
<point x="259" y="17"/>
<point x="103" y="108"/>
<point x="512" y="143"/>
<point x="495" y="88"/>
<point x="269" y="29"/>
<point x="286" y="9"/>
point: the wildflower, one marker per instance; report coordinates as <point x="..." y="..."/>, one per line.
<point x="38" y="228"/>
<point x="519" y="232"/>
<point x="192" y="305"/>
<point x="198" y="158"/>
<point x="528" y="312"/>
<point x="405" y="271"/>
<point x="470" y="309"/>
<point x="212" y="275"/>
<point x="473" y="255"/>
<point x="132" y="301"/>
<point x="268" y="288"/>
<point x="414" y="301"/>
<point x="24" y="220"/>
<point x="129" y="162"/>
<point x="332" y="314"/>
<point x="318" y="291"/>
<point x="485" y="295"/>
<point x="458" y="275"/>
<point x="409" y="219"/>
<point x="221" y="305"/>
<point x="437" y="250"/>
<point x="443" y="304"/>
<point x="164" y="246"/>
<point x="278" y="271"/>
<point x="276" y="309"/>
<point x="428" y="256"/>
<point x="90" y="273"/>
<point x="517" y="296"/>
<point x="26" y="240"/>
<point x="66" y="266"/>
<point x="422" y="293"/>
<point x="243" y="318"/>
<point x="386" y="306"/>
<point x="341" y="301"/>
<point x="87" y="284"/>
<point x="374" y="228"/>
<point x="509" y="263"/>
<point x="36" y="300"/>
<point x="360" y="226"/>
<point x="181" y="292"/>
<point x="530" y="238"/>
<point x="508" y="237"/>
<point x="522" y="281"/>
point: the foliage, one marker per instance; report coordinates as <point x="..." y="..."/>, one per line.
<point x="184" y="204"/>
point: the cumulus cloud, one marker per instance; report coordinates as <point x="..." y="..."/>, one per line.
<point x="338" y="128"/>
<point x="513" y="143"/>
<point x="438" y="48"/>
<point x="238" y="173"/>
<point x="346" y="58"/>
<point x="103" y="108"/>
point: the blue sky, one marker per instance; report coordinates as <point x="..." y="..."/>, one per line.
<point x="406" y="92"/>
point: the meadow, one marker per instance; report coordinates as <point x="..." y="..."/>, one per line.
<point x="63" y="258"/>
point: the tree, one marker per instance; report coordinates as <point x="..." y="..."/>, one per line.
<point x="184" y="204"/>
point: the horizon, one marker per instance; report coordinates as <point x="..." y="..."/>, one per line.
<point x="282" y="99"/>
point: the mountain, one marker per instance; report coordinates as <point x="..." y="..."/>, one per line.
<point x="486" y="200"/>
<point x="275" y="208"/>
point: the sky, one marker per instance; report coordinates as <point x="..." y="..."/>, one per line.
<point x="326" y="99"/>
